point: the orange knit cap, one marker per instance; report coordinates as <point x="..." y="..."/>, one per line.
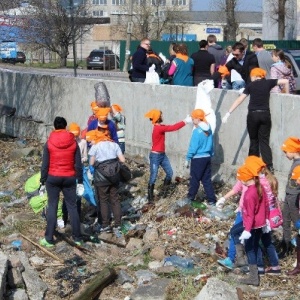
<point x="244" y="174"/>
<point x="97" y="136"/>
<point x="259" y="72"/>
<point x="292" y="144"/>
<point x="255" y="164"/>
<point x="117" y="107"/>
<point x="223" y="71"/>
<point x="94" y="106"/>
<point x="296" y="173"/>
<point x="153" y="115"/>
<point x="74" y="128"/>
<point x="198" y="114"/>
<point x="102" y="113"/>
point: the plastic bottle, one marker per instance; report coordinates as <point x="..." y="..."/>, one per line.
<point x="200" y="205"/>
<point x="213" y="212"/>
<point x="202" y="248"/>
<point x="177" y="261"/>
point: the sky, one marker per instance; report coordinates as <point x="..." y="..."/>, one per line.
<point x="253" y="5"/>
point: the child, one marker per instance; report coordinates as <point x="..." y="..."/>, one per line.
<point x="255" y="214"/>
<point x="94" y="108"/>
<point x="290" y="213"/>
<point x="199" y="157"/>
<point x="158" y="156"/>
<point x="296" y="177"/>
<point x="119" y="120"/>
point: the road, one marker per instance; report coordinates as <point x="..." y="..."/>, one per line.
<point x="68" y="72"/>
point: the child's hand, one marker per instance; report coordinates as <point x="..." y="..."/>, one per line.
<point x="187" y="164"/>
<point x="244" y="236"/>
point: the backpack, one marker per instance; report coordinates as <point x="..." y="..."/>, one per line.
<point x="292" y="83"/>
<point x="110" y="169"/>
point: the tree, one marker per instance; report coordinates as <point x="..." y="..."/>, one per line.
<point x="53" y="26"/>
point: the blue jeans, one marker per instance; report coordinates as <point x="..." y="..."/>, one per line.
<point x="201" y="171"/>
<point x="236" y="231"/>
<point x="236" y="85"/>
<point x="252" y="246"/>
<point x="266" y="240"/>
<point x="156" y="160"/>
<point x="231" y="250"/>
<point x="122" y="146"/>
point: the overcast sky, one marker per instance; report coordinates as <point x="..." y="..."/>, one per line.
<point x="253" y="5"/>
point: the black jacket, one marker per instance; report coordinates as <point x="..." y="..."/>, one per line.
<point x="139" y="63"/>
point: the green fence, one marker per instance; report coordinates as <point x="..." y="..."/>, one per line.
<point x="162" y="46"/>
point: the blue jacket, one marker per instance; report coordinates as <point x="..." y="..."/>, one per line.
<point x="201" y="143"/>
<point x="111" y="127"/>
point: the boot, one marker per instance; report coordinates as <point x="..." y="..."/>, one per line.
<point x="286" y="250"/>
<point x="253" y="278"/>
<point x="165" y="188"/>
<point x="150" y="193"/>
<point x="297" y="268"/>
<point x="240" y="260"/>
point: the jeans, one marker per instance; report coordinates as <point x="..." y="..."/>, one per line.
<point x="201" y="171"/>
<point x="236" y="231"/>
<point x="231" y="250"/>
<point x="235" y="85"/>
<point x="66" y="185"/>
<point x="122" y="146"/>
<point x="259" y="128"/>
<point x="266" y="240"/>
<point x="252" y="245"/>
<point x="156" y="160"/>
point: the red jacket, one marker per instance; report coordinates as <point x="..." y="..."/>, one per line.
<point x="158" y="135"/>
<point x="62" y="148"/>
<point x="254" y="212"/>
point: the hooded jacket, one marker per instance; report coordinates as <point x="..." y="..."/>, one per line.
<point x="217" y="51"/>
<point x="281" y="71"/>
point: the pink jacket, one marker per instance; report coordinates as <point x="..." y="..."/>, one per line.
<point x="254" y="213"/>
<point x="271" y="199"/>
<point x="240" y="188"/>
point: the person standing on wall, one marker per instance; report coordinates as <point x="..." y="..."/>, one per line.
<point x="139" y="62"/>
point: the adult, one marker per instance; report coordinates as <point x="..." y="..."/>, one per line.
<point x="259" y="117"/>
<point x="139" y="62"/>
<point x="61" y="168"/>
<point x="263" y="56"/>
<point x="182" y="66"/>
<point x="204" y="63"/>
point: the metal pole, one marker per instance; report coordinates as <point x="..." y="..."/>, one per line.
<point x="128" y="40"/>
<point x="73" y="38"/>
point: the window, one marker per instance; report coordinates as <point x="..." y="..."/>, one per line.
<point x="98" y="13"/>
<point x="118" y="2"/>
<point x="178" y="2"/>
<point x="140" y="2"/>
<point x="159" y="2"/>
<point x="99" y="2"/>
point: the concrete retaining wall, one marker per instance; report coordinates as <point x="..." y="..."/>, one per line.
<point x="44" y="97"/>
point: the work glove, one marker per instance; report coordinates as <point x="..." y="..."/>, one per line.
<point x="241" y="91"/>
<point x="225" y="118"/>
<point x="267" y="227"/>
<point x="92" y="170"/>
<point x="220" y="203"/>
<point x="187" y="164"/>
<point x="244" y="236"/>
<point x="60" y="223"/>
<point x="188" y="120"/>
<point x="42" y="189"/>
<point x="79" y="189"/>
<point x="152" y="68"/>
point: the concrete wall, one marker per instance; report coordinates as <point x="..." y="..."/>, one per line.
<point x="44" y="97"/>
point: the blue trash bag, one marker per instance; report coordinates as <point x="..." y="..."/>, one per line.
<point x="88" y="194"/>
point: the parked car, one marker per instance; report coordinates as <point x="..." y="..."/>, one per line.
<point x="21" y="57"/>
<point x="102" y="59"/>
<point x="293" y="56"/>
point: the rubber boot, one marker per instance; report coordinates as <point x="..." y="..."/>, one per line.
<point x="166" y="187"/>
<point x="240" y="260"/>
<point x="286" y="250"/>
<point x="296" y="270"/>
<point x="150" y="193"/>
<point x="253" y="278"/>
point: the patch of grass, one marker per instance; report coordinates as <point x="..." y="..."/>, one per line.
<point x="55" y="65"/>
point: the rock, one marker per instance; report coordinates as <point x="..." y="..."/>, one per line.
<point x="18" y="294"/>
<point x="154" y="265"/>
<point x="19" y="153"/>
<point x="144" y="276"/>
<point x="35" y="260"/>
<point x="124" y="277"/>
<point x="36" y="288"/>
<point x="154" y="291"/>
<point x="12" y="219"/>
<point x="15" y="262"/>
<point x="127" y="286"/>
<point x="136" y="261"/>
<point x="165" y="270"/>
<point x="218" y="290"/>
<point x="3" y="273"/>
<point x="157" y="253"/>
<point x="17" y="176"/>
<point x="14" y="278"/>
<point x="150" y="236"/>
<point x="134" y="244"/>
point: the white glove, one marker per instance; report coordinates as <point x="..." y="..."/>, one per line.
<point x="244" y="236"/>
<point x="42" y="189"/>
<point x="188" y="120"/>
<point x="241" y="91"/>
<point x="152" y="68"/>
<point x="79" y="189"/>
<point x="187" y="164"/>
<point x="60" y="223"/>
<point x="220" y="203"/>
<point x="267" y="227"/>
<point x="225" y="118"/>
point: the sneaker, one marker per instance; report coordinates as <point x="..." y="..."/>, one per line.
<point x="106" y="229"/>
<point x="79" y="243"/>
<point x="211" y="203"/>
<point x="271" y="271"/>
<point x="226" y="262"/>
<point x="261" y="271"/>
<point x="44" y="243"/>
<point x="97" y="228"/>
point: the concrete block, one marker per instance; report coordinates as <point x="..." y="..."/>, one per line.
<point x="3" y="273"/>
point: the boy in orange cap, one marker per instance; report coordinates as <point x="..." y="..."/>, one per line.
<point x="94" y="108"/>
<point x="157" y="155"/>
<point x="75" y="129"/>
<point x="259" y="118"/>
<point x="199" y="157"/>
<point x="120" y="121"/>
<point x="290" y="212"/>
